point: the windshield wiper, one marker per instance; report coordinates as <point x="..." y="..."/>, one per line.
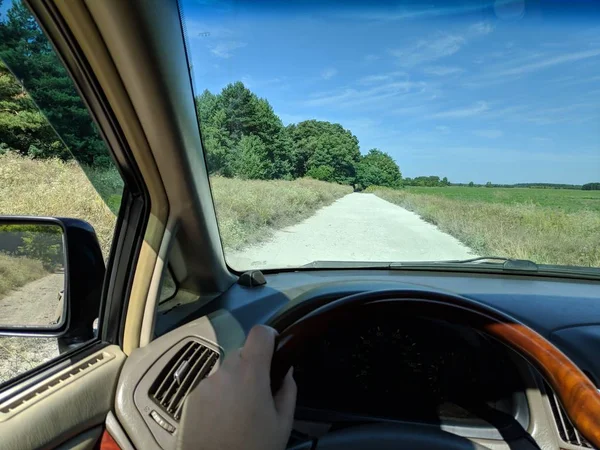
<point x="507" y="263"/>
<point x="484" y="264"/>
<point x="497" y="262"/>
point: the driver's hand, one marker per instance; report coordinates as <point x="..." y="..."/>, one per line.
<point x="234" y="409"/>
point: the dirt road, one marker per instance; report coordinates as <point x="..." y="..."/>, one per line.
<point x="35" y="303"/>
<point x="357" y="227"/>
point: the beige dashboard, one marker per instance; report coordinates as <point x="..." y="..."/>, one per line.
<point x="149" y="425"/>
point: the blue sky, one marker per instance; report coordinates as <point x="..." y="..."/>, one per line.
<point x="504" y="91"/>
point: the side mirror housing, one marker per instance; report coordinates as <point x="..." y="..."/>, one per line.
<point x="51" y="275"/>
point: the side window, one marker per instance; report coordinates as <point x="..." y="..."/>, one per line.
<point x="52" y="163"/>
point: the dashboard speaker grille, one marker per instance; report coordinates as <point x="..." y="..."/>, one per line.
<point x="190" y="365"/>
<point x="566" y="430"/>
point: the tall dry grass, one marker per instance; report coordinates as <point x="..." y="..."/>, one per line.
<point x="18" y="271"/>
<point x="53" y="188"/>
<point x="248" y="210"/>
<point x="525" y="231"/>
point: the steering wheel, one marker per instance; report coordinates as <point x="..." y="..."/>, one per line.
<point x="298" y="326"/>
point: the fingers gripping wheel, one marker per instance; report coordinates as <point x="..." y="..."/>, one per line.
<point x="578" y="395"/>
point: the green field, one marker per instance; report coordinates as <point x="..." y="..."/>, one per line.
<point x="566" y="200"/>
<point x="547" y="226"/>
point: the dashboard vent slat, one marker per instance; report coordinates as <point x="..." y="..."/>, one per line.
<point x="168" y="380"/>
<point x="190" y="365"/>
<point x="566" y="430"/>
<point x="197" y="357"/>
<point x="201" y="374"/>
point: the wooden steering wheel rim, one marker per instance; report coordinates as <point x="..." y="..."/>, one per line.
<point x="578" y="396"/>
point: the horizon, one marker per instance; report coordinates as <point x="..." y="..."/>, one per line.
<point x="473" y="91"/>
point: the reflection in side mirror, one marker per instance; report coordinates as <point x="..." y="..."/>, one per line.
<point x="32" y="275"/>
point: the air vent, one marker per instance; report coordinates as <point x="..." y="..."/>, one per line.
<point x="191" y="364"/>
<point x="566" y="430"/>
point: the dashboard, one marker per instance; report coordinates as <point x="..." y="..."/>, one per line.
<point x="422" y="370"/>
<point x="384" y="369"/>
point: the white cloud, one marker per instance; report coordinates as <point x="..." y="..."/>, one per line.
<point x="371" y="58"/>
<point x="458" y="113"/>
<point x="410" y="110"/>
<point x="540" y="64"/>
<point x="490" y="134"/>
<point x="426" y="50"/>
<point x="370" y="79"/>
<point x="328" y="73"/>
<point x="442" y="71"/>
<point x="224" y="49"/>
<point x="378" y="78"/>
<point x="443" y="128"/>
<point x="542" y="140"/>
<point x="481" y="28"/>
<point x="360" y="96"/>
<point x="417" y="10"/>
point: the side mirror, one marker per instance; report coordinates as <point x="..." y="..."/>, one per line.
<point x="51" y="275"/>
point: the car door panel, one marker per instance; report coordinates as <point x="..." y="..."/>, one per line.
<point x="66" y="408"/>
<point x="87" y="440"/>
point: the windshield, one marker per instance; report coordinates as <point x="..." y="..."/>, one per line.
<point x="400" y="131"/>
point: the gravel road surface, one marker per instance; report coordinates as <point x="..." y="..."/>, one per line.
<point x="35" y="303"/>
<point x="357" y="227"/>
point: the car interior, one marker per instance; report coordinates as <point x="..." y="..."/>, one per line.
<point x="384" y="357"/>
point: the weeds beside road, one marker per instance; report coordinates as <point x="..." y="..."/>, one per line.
<point x="249" y="210"/>
<point x="525" y="230"/>
<point x="51" y="187"/>
<point x="18" y="271"/>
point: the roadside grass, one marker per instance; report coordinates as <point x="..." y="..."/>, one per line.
<point x="20" y="354"/>
<point x="18" y="271"/>
<point x="55" y="188"/>
<point x="249" y="210"/>
<point x="524" y="230"/>
<point x="568" y="200"/>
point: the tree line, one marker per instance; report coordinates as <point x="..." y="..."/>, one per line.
<point x="243" y="137"/>
<point x="429" y="181"/>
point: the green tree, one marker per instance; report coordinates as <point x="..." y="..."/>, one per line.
<point x="488" y="184"/>
<point x="445" y="181"/>
<point x="226" y="118"/>
<point x="252" y="160"/>
<point x="430" y="181"/>
<point x="323" y="173"/>
<point x="591" y="187"/>
<point x="272" y="132"/>
<point x="22" y="126"/>
<point x="29" y="55"/>
<point x="377" y="168"/>
<point x="318" y="143"/>
<point x="471" y="184"/>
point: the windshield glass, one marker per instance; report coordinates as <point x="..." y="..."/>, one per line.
<point x="400" y="131"/>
